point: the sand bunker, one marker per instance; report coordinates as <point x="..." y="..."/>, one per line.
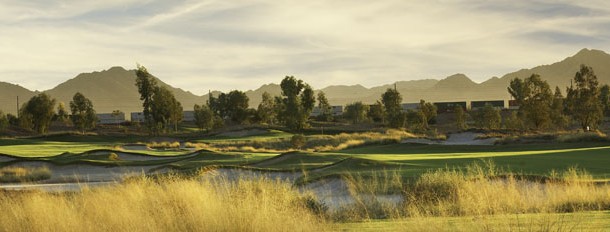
<point x="465" y="138"/>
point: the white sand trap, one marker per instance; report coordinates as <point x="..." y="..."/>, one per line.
<point x="231" y="174"/>
<point x="6" y="158"/>
<point x="85" y="172"/>
<point x="465" y="138"/>
<point x="143" y="157"/>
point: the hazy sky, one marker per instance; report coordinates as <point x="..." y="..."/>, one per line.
<point x="224" y="45"/>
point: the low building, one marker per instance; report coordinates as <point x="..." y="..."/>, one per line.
<point x="110" y="118"/>
<point x="337" y="110"/>
<point x="445" y="107"/>
<point x="315" y="112"/>
<point x="513" y="105"/>
<point x="188" y="116"/>
<point x="137" y="117"/>
<point x="498" y="104"/>
<point x="409" y="106"/>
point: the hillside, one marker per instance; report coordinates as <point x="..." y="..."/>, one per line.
<point x="8" y="97"/>
<point x="114" y="89"/>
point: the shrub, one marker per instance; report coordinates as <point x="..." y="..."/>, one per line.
<point x="297" y="141"/>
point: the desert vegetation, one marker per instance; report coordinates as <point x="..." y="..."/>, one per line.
<point x="179" y="203"/>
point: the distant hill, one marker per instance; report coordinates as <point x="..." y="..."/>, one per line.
<point x="114" y="89"/>
<point x="8" y="97"/>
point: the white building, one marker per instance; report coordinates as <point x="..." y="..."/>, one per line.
<point x="110" y="118"/>
<point x="137" y="117"/>
<point x="337" y="110"/>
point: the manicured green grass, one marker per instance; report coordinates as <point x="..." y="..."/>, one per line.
<point x="408" y="159"/>
<point x="585" y="221"/>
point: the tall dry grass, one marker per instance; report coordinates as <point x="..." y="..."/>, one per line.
<point x="479" y="190"/>
<point x="24" y="174"/>
<point x="170" y="204"/>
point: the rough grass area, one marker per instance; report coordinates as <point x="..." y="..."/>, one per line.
<point x="23" y="174"/>
<point x="163" y="205"/>
<point x="480" y="190"/>
<point x="312" y="143"/>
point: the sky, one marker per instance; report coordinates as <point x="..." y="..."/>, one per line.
<point x="201" y="45"/>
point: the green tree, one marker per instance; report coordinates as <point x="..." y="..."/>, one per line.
<point x="232" y="106"/>
<point x="295" y="104"/>
<point x="535" y="98"/>
<point x="513" y="121"/>
<point x="38" y="113"/>
<point x="604" y="98"/>
<point x="3" y="121"/>
<point x="147" y="85"/>
<point x="488" y="117"/>
<point x="326" y="113"/>
<point x="391" y="100"/>
<point x="460" y="118"/>
<point x="204" y="117"/>
<point x="429" y="111"/>
<point x="583" y="99"/>
<point x="416" y="120"/>
<point x="165" y="110"/>
<point x="377" y="112"/>
<point x="558" y="117"/>
<point x="83" y="114"/>
<point x="266" y="109"/>
<point x="356" y="112"/>
<point x="62" y="114"/>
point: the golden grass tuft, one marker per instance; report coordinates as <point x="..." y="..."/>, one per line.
<point x="24" y="174"/>
<point x="170" y="204"/>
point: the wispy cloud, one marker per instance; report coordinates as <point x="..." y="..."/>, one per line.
<point x="201" y="45"/>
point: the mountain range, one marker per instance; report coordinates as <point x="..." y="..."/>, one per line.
<point x="114" y="89"/>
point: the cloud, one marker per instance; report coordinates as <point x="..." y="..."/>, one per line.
<point x="201" y="45"/>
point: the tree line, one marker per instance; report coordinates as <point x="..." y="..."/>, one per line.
<point x="585" y="103"/>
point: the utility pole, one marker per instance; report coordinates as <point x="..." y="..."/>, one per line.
<point x="17" y="106"/>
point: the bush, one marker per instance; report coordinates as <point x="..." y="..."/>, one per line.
<point x="114" y="157"/>
<point x="297" y="141"/>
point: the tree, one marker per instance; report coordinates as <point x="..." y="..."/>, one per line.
<point x="604" y="98"/>
<point x="513" y="121"/>
<point x="534" y="97"/>
<point x="326" y="113"/>
<point x="38" y="113"/>
<point x="356" y="112"/>
<point x="165" y="110"/>
<point x="62" y="114"/>
<point x="460" y="118"/>
<point x="266" y="109"/>
<point x="232" y="106"/>
<point x="83" y="114"/>
<point x="3" y="121"/>
<point x="391" y="100"/>
<point x="488" y="117"/>
<point x="377" y="112"/>
<point x="204" y="117"/>
<point x="146" y="84"/>
<point x="295" y="104"/>
<point x="429" y="111"/>
<point x="558" y="117"/>
<point x="583" y="99"/>
<point x="416" y="120"/>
